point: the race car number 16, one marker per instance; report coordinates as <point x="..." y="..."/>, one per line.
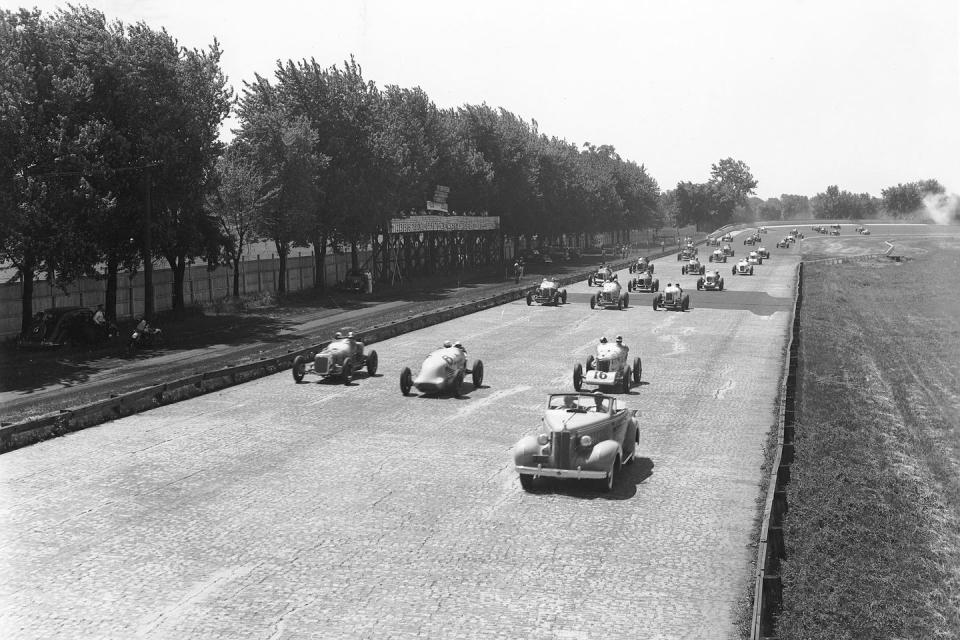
<point x="601" y="375"/>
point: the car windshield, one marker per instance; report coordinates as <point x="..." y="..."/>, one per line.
<point x="579" y="403"/>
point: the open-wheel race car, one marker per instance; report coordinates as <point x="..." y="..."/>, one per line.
<point x="610" y="368"/>
<point x="718" y="256"/>
<point x="611" y="296"/>
<point x="783" y="244"/>
<point x="763" y="229"/>
<point x="603" y="274"/>
<point x="586" y="436"/>
<point x="643" y="282"/>
<point x="754" y="258"/>
<point x="642" y="264"/>
<point x="693" y="266"/>
<point x="341" y="358"/>
<point x="764" y="253"/>
<point x="443" y="371"/>
<point x="672" y="299"/>
<point x="687" y="253"/>
<point x="711" y="281"/>
<point x="751" y="240"/>
<point x="743" y="268"/>
<point x="727" y="250"/>
<point x="549" y="292"/>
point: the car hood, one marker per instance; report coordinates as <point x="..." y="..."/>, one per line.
<point x="559" y="420"/>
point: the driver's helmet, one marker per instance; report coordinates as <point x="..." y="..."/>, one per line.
<point x="603" y="340"/>
<point x="350" y="335"/>
<point x="459" y="345"/>
<point x="337" y="335"/>
<point x="447" y="344"/>
<point x="620" y="340"/>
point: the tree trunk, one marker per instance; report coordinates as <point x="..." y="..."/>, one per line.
<point x="354" y="256"/>
<point x="110" y="303"/>
<point x="282" y="250"/>
<point x="319" y="260"/>
<point x="26" y="299"/>
<point x="236" y="276"/>
<point x="179" y="268"/>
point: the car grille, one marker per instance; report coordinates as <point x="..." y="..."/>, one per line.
<point x="561" y="448"/>
<point x="322" y="364"/>
<point x="603" y="365"/>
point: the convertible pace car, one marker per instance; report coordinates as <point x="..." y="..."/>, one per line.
<point x="610" y="368"/>
<point x="585" y="436"/>
<point x="611" y="296"/>
<point x="442" y="371"/>
<point x="342" y="358"/>
<point x="549" y="292"/>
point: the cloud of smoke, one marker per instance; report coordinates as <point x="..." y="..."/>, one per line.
<point x="942" y="208"/>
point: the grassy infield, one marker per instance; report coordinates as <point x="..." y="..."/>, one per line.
<point x="873" y="528"/>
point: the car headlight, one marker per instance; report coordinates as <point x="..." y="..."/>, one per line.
<point x="543" y="438"/>
<point x="586" y="441"/>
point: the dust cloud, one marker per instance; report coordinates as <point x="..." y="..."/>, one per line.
<point x="942" y="208"/>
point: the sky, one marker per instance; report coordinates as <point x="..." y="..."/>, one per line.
<point x="808" y="93"/>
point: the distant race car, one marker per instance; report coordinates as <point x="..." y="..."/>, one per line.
<point x="672" y="299"/>
<point x="754" y="239"/>
<point x="549" y="292"/>
<point x="743" y="268"/>
<point x="711" y="281"/>
<point x="693" y="266"/>
<point x="341" y="358"/>
<point x="718" y="256"/>
<point x="602" y="274"/>
<point x="865" y="232"/>
<point x="727" y="237"/>
<point x="443" y="371"/>
<point x="610" y="296"/>
<point x="764" y="253"/>
<point x="642" y="264"/>
<point x="754" y="258"/>
<point x="643" y="282"/>
<point x="585" y="436"/>
<point x="763" y="229"/>
<point x="727" y="250"/>
<point x="687" y="252"/>
<point x="783" y="244"/>
<point x="610" y="368"/>
<point x="713" y="242"/>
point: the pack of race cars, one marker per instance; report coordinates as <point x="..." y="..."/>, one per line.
<point x="588" y="433"/>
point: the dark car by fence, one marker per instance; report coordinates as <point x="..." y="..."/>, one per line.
<point x="64" y="326"/>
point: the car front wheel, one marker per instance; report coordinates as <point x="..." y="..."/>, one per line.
<point x="477" y="373"/>
<point x="406" y="380"/>
<point x="299" y="368"/>
<point x="577" y="376"/>
<point x="372" y="362"/>
<point x="526" y="482"/>
<point x="347" y="371"/>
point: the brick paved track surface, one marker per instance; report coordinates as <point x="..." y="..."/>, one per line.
<point x="277" y="510"/>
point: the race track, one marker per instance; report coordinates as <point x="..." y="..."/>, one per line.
<point x="282" y="510"/>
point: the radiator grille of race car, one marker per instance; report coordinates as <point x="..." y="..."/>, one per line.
<point x="603" y="365"/>
<point x="322" y="364"/>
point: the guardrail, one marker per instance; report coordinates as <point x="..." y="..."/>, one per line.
<point x="844" y="259"/>
<point x="768" y="588"/>
<point x="50" y="425"/>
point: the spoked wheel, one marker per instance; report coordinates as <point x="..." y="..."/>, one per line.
<point x="563" y="296"/>
<point x="627" y="377"/>
<point x="685" y="302"/>
<point x="372" y="362"/>
<point x="529" y="299"/>
<point x="577" y="376"/>
<point x="299" y="368"/>
<point x="406" y="380"/>
<point x="637" y="369"/>
<point x="593" y="302"/>
<point x="477" y="373"/>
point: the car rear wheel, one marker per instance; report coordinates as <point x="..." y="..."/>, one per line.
<point x="625" y="381"/>
<point x="656" y="285"/>
<point x="406" y="380"/>
<point x="372" y="362"/>
<point x="563" y="296"/>
<point x="626" y="300"/>
<point x="593" y="302"/>
<point x="529" y="299"/>
<point x="685" y="302"/>
<point x="347" y="371"/>
<point x="477" y="373"/>
<point x="637" y="369"/>
<point x="299" y="368"/>
<point x="456" y="384"/>
<point x="577" y="376"/>
<point x="656" y="301"/>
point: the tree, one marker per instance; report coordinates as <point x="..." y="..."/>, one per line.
<point x="696" y="203"/>
<point x="906" y="199"/>
<point x="733" y="182"/>
<point x="836" y="204"/>
<point x="795" y="207"/>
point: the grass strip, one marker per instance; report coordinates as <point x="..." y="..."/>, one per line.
<point x="873" y="527"/>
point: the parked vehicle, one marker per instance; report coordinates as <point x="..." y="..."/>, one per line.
<point x="72" y="326"/>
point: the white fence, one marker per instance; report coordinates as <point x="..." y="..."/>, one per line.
<point x="200" y="286"/>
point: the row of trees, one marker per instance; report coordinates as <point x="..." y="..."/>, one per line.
<point x="711" y="204"/>
<point x="112" y="160"/>
<point x="109" y="136"/>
